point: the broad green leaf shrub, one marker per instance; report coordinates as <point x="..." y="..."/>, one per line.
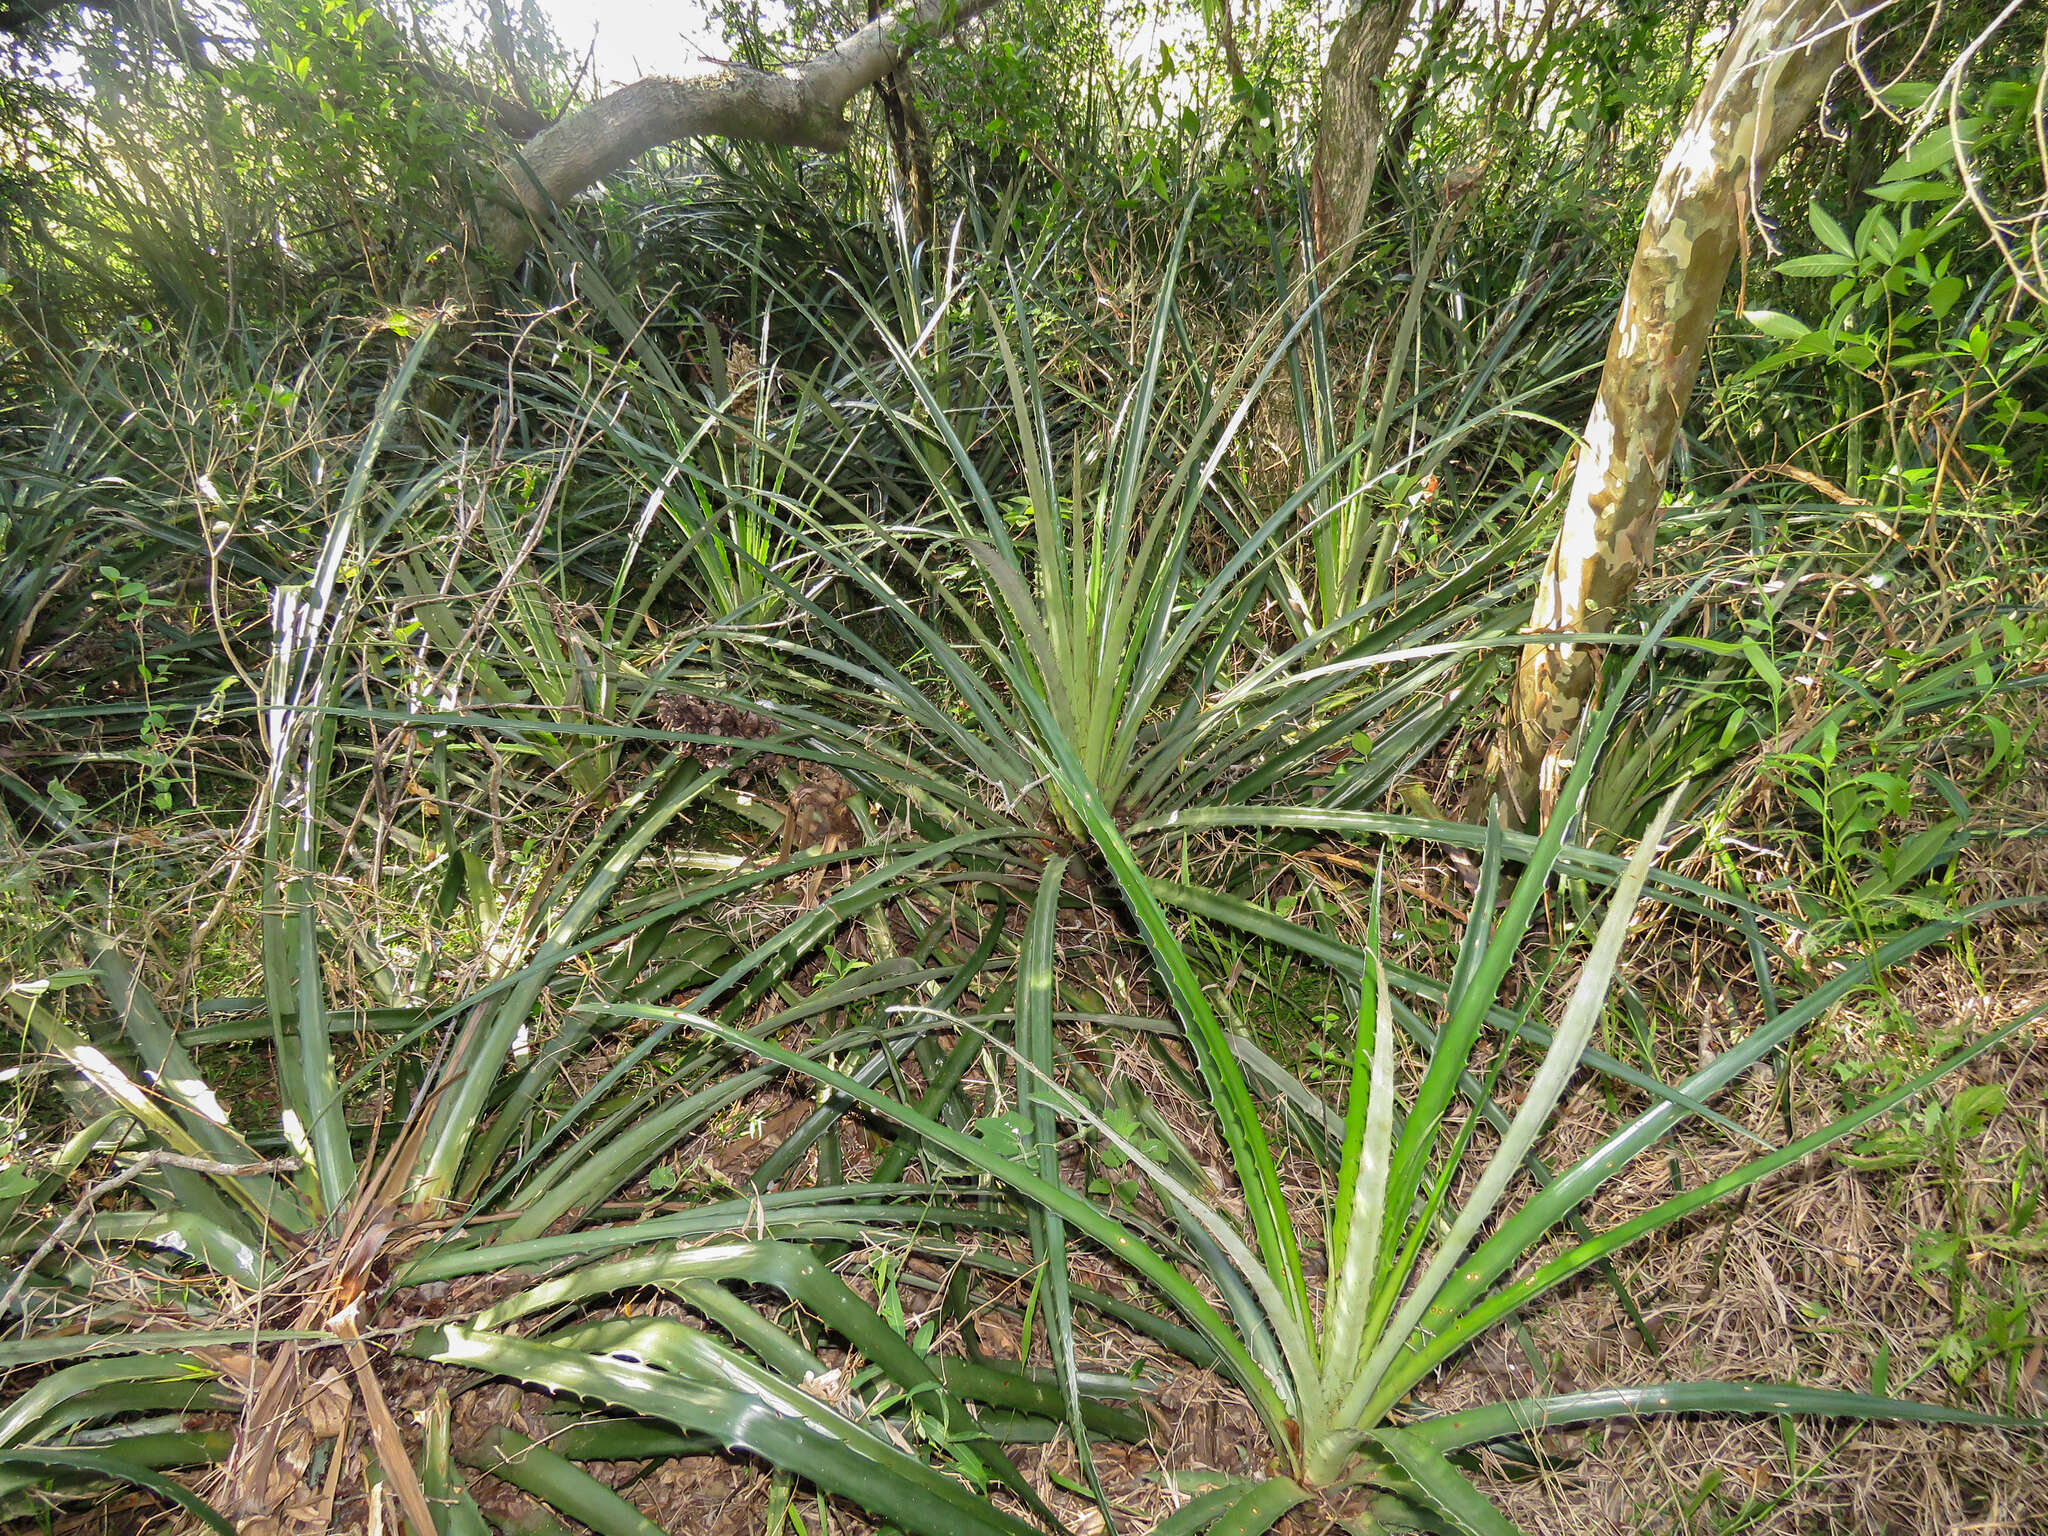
<point x="1926" y="342"/>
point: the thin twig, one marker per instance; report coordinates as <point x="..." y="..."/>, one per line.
<point x="155" y="1158"/>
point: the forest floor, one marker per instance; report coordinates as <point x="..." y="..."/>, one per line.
<point x="1910" y="1261"/>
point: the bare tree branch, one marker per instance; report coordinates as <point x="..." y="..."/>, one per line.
<point x="804" y="105"/>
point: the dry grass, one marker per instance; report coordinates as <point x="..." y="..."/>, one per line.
<point x="1811" y="1280"/>
<point x="1824" y="1276"/>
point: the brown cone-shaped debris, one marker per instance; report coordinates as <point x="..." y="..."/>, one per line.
<point x="707" y="717"/>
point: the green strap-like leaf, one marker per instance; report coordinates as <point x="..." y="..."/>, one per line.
<point x="34" y="1351"/>
<point x="1048" y="1232"/>
<point x="1553" y="1076"/>
<point x="1216" y="906"/>
<point x="300" y="688"/>
<point x="1117" y="1239"/>
<point x="858" y="1204"/>
<point x="1444" y="1486"/>
<point x="455" y="1511"/>
<point x="1255" y="1510"/>
<point x="1236" y="1112"/>
<point x="114" y="1467"/>
<point x="555" y="1480"/>
<point x="1533" y="1415"/>
<point x="803" y="1276"/>
<point x="172" y="1074"/>
<point x="1455" y="1320"/>
<point x="1574" y="859"/>
<point x="1013" y="1388"/>
<point x="29" y="1410"/>
<point x="456" y="1116"/>
<point x="1362" y="1187"/>
<point x="1201" y="1511"/>
<point x="745" y="1409"/>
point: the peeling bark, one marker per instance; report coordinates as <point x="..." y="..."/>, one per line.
<point x="1767" y="84"/>
<point x="1353" y="124"/>
<point x="804" y="106"/>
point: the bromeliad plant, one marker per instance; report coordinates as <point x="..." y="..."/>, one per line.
<point x="1118" y="697"/>
<point x="224" y="1265"/>
<point x="1434" y="1237"/>
<point x="1061" y="589"/>
<point x="1102" y="692"/>
<point x="1008" y="631"/>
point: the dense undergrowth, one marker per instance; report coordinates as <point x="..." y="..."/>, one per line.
<point x="774" y="858"/>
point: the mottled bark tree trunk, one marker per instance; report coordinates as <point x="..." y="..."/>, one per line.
<point x="1353" y="124"/>
<point x="1767" y="84"/>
